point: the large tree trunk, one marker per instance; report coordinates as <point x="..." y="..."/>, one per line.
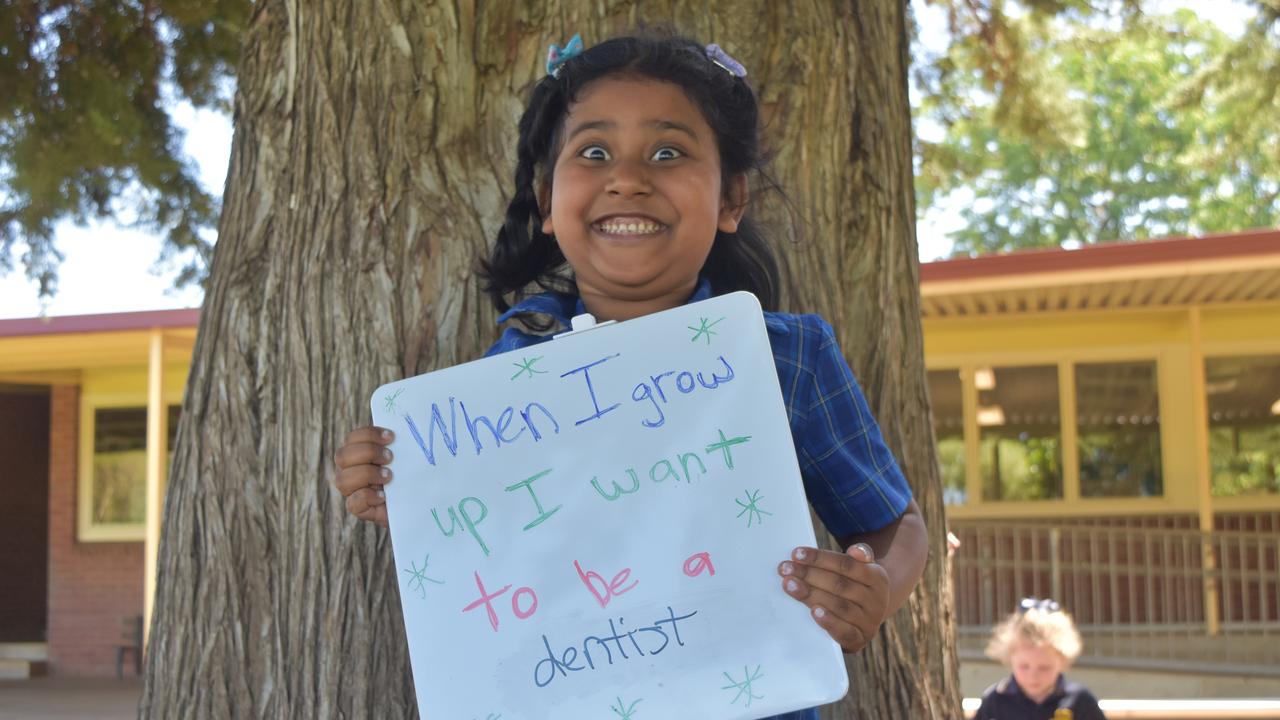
<point x="372" y="154"/>
<point x="858" y="266"/>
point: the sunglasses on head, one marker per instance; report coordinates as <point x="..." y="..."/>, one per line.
<point x="1046" y="605"/>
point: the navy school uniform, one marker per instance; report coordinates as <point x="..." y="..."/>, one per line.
<point x="850" y="476"/>
<point x="1068" y="701"/>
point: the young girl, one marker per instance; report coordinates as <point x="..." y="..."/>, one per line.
<point x="634" y="161"/>
<point x="1038" y="642"/>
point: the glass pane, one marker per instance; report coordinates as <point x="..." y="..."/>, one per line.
<point x="1244" y="424"/>
<point x="1118" y="418"/>
<point x="175" y="414"/>
<point x="1020" y="434"/>
<point x="119" y="465"/>
<point x="948" y="428"/>
<point x="120" y="462"/>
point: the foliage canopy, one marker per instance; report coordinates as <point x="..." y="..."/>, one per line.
<point x="1068" y="121"/>
<point x="1074" y="122"/>
<point x="85" y="126"/>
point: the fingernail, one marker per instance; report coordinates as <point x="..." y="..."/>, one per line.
<point x="867" y="552"/>
<point x="788" y="568"/>
<point x="819" y="612"/>
<point x="384" y="472"/>
<point x="388" y="435"/>
<point x="381" y="494"/>
<point x="386" y="454"/>
<point x="792" y="586"/>
<point x="801" y="553"/>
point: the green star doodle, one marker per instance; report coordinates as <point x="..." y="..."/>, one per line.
<point x="418" y="577"/>
<point x="744" y="687"/>
<point x="750" y="507"/>
<point x="389" y="402"/>
<point x="704" y="329"/>
<point x="526" y="366"/>
<point x="628" y="714"/>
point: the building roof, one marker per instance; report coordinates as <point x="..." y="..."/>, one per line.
<point x="105" y="322"/>
<point x="54" y="350"/>
<point x="1230" y="267"/>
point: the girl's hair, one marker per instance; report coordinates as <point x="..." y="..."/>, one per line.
<point x="523" y="255"/>
<point x="1040" y="623"/>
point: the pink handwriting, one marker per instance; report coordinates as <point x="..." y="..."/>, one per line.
<point x="610" y="589"/>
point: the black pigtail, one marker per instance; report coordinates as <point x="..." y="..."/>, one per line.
<point x="523" y="255"/>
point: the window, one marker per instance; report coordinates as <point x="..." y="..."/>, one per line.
<point x="1244" y="424"/>
<point x="114" y="483"/>
<point x="1118" y="422"/>
<point x="948" y="427"/>
<point x="1019" y="433"/>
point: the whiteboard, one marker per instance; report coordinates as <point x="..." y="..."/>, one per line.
<point x="590" y="527"/>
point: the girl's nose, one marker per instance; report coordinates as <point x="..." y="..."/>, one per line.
<point x="629" y="179"/>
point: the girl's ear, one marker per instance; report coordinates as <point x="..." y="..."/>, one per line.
<point x="544" y="207"/>
<point x="734" y="204"/>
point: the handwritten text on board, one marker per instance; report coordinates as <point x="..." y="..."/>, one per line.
<point x="588" y="528"/>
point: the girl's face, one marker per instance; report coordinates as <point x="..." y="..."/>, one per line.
<point x="1036" y="669"/>
<point x="636" y="196"/>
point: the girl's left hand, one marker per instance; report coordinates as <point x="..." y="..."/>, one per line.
<point x="847" y="593"/>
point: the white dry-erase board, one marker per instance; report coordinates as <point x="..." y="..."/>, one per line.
<point x="590" y="527"/>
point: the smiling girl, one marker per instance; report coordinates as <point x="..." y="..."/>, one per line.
<point x="634" y="163"/>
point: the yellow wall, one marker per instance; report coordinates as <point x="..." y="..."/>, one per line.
<point x="1162" y="335"/>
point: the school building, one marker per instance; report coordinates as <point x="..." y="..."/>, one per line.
<point x="1107" y="418"/>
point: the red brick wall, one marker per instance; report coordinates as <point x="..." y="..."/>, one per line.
<point x="24" y="514"/>
<point x="93" y="587"/>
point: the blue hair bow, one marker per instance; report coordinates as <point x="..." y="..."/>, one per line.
<point x="558" y="56"/>
<point x="717" y="55"/>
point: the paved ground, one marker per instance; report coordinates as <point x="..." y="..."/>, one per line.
<point x="76" y="698"/>
<point x="66" y="698"/>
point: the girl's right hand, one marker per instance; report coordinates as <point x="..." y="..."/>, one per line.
<point x="361" y="474"/>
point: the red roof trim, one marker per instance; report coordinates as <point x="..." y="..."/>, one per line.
<point x="1144" y="252"/>
<point x="109" y="322"/>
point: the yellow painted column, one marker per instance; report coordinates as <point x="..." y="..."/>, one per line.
<point x="972" y="451"/>
<point x="1204" y="479"/>
<point x="157" y="456"/>
<point x="1069" y="430"/>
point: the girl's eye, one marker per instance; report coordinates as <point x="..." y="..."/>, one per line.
<point x="667" y="153"/>
<point x="594" y="152"/>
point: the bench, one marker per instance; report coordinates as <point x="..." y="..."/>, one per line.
<point x="130" y="641"/>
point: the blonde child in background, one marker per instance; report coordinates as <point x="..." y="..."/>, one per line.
<point x="1038" y="643"/>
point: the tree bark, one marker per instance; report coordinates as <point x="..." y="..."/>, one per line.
<point x="370" y="166"/>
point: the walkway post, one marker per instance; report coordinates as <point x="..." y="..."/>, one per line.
<point x="1204" y="479"/>
<point x="157" y="466"/>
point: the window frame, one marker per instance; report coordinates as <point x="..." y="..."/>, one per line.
<point x="112" y="389"/>
<point x="1161" y="412"/>
<point x="1071" y="501"/>
<point x="1226" y="349"/>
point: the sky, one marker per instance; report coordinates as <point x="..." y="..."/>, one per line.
<point x="108" y="269"/>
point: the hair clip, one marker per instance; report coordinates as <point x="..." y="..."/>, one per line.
<point x="558" y="56"/>
<point x="1045" y="606"/>
<point x="717" y="55"/>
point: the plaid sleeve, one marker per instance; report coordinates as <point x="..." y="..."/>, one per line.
<point x="850" y="475"/>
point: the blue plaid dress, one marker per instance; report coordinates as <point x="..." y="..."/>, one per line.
<point x="850" y="476"/>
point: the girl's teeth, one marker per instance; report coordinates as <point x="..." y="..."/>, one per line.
<point x="630" y="228"/>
